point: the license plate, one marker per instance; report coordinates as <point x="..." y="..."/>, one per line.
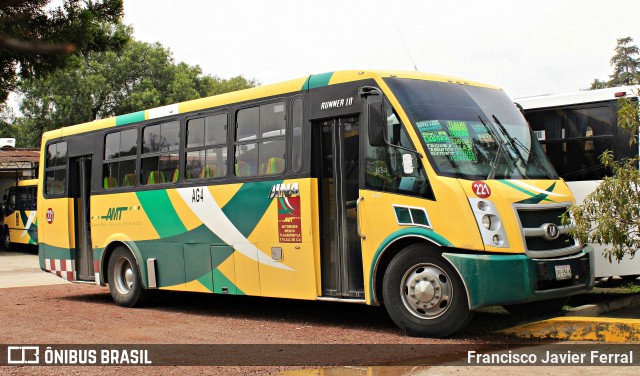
<point x="563" y="272"/>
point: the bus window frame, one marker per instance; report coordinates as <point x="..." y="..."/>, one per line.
<point x="291" y="135"/>
<point x="56" y="168"/>
<point x="136" y="157"/>
<point x="234" y="143"/>
<point x="139" y="156"/>
<point x="184" y="149"/>
<point x="614" y="139"/>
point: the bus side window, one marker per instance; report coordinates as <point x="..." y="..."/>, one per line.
<point x="384" y="170"/>
<point x="120" y="150"/>
<point x="206" y="147"/>
<point x="56" y="168"/>
<point x="265" y="127"/>
<point x="297" y="139"/>
<point x="159" y="160"/>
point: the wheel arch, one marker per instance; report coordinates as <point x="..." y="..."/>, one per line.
<point x="108" y="251"/>
<point x="392" y="246"/>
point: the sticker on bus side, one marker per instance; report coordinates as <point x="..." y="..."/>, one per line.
<point x="289" y="220"/>
<point x="481" y="189"/>
<point x="49" y="216"/>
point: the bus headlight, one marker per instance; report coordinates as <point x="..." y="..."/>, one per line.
<point x="486" y="221"/>
<point x="489" y="223"/>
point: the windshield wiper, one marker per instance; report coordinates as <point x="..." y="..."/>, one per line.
<point x="501" y="147"/>
<point x="515" y="143"/>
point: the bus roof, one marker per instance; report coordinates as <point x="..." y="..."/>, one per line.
<point x="578" y="97"/>
<point x="297" y="85"/>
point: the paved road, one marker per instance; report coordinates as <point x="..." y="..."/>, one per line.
<point x="21" y="268"/>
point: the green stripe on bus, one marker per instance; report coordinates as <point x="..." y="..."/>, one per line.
<point x="161" y="213"/>
<point x="130" y="118"/>
<point x="317" y="80"/>
<point x="248" y="205"/>
<point x="52" y="252"/>
<point x="207" y="281"/>
<point x="220" y="281"/>
<point x="536" y="198"/>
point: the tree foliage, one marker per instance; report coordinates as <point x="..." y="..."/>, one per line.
<point x="103" y="84"/>
<point x="39" y="36"/>
<point x="626" y="66"/>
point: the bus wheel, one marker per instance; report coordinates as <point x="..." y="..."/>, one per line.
<point x="125" y="283"/>
<point x="6" y="239"/>
<point x="538" y="308"/>
<point x="424" y="295"/>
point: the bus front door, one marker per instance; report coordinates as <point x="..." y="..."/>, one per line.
<point x="338" y="173"/>
<point x="80" y="186"/>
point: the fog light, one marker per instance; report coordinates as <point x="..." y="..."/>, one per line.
<point x="497" y="240"/>
<point x="483" y="206"/>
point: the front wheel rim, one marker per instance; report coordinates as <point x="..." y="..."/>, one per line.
<point x="426" y="291"/>
<point x="123" y="275"/>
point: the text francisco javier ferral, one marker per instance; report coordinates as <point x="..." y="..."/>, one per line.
<point x="591" y="357"/>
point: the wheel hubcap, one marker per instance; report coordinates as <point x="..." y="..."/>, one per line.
<point x="426" y="291"/>
<point x="123" y="276"/>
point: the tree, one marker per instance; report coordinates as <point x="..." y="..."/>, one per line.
<point x="6" y="121"/>
<point x="39" y="36"/>
<point x="626" y="66"/>
<point x="103" y="84"/>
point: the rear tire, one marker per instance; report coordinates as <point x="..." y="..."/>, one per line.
<point x="6" y="239"/>
<point x="539" y="308"/>
<point x="125" y="282"/>
<point x="424" y="295"/>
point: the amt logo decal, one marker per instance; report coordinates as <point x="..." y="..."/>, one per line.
<point x="115" y="214"/>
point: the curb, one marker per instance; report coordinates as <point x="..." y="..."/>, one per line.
<point x="604" y="307"/>
<point x="583" y="324"/>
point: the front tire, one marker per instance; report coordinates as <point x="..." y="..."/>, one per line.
<point x="125" y="282"/>
<point x="424" y="295"/>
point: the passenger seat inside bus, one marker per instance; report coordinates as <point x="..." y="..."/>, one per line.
<point x="209" y="171"/>
<point x="110" y="182"/>
<point x="243" y="169"/>
<point x="156" y="177"/>
<point x="273" y="166"/>
<point x="129" y="180"/>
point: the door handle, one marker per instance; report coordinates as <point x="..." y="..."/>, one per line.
<point x="358" y="201"/>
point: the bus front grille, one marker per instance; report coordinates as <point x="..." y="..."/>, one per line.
<point x="543" y="232"/>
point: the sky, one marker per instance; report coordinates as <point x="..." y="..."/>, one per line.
<point x="527" y="47"/>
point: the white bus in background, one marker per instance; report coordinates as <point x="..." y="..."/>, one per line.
<point x="574" y="129"/>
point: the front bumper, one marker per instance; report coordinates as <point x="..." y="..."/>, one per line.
<point x="512" y="279"/>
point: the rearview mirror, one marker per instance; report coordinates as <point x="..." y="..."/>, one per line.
<point x="377" y="122"/>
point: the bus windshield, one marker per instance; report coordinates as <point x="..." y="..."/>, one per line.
<point x="472" y="132"/>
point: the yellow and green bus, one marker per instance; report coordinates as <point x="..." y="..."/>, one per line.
<point x="19" y="220"/>
<point x="426" y="194"/>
